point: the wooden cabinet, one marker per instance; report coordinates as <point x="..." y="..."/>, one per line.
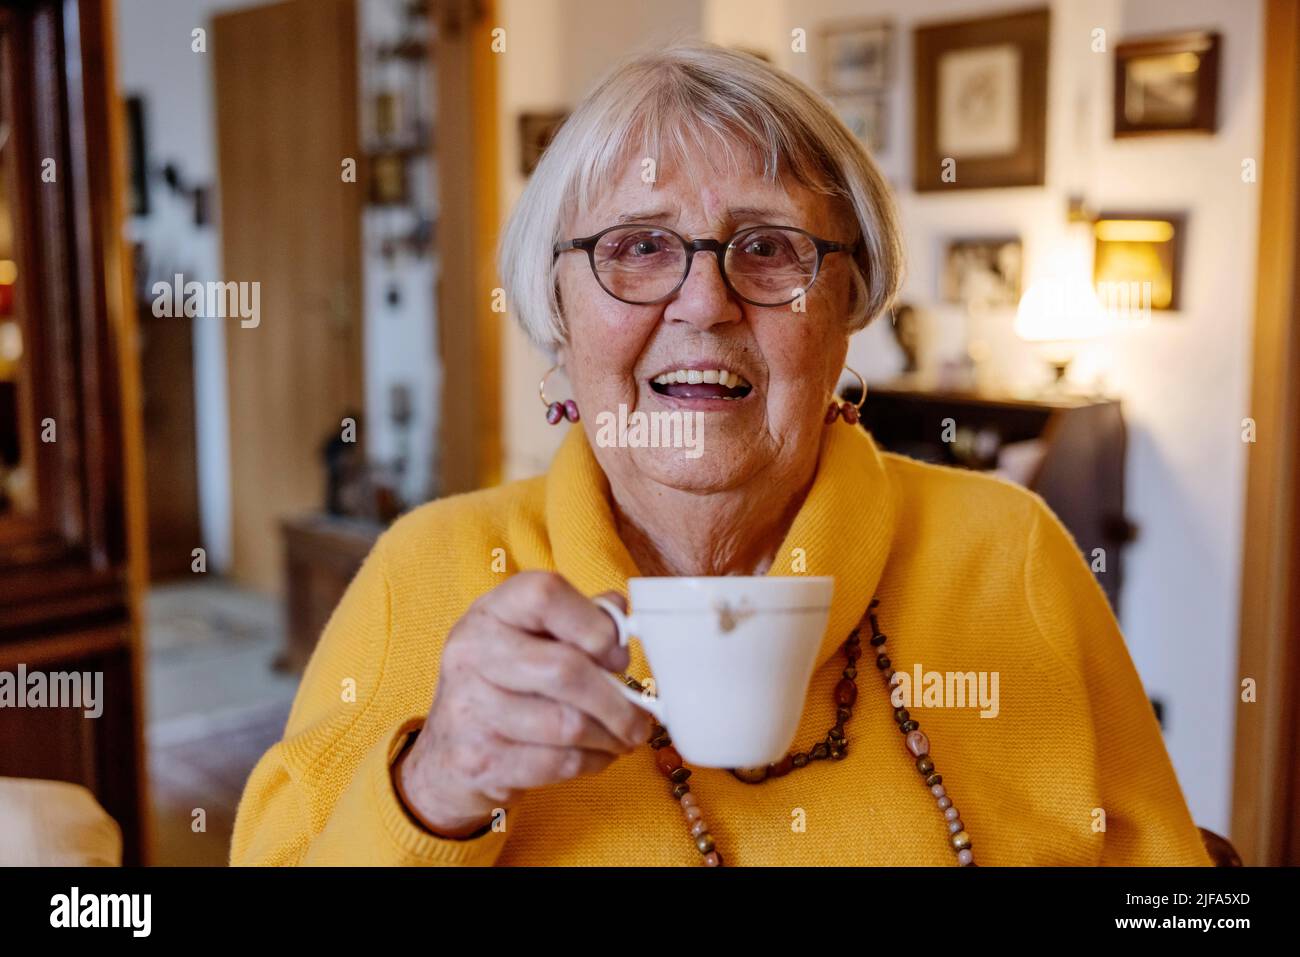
<point x="68" y="529"/>
<point x="1070" y="450"/>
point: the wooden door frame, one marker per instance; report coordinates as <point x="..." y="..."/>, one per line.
<point x="1266" y="781"/>
<point x="469" y="332"/>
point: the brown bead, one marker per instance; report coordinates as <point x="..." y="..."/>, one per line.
<point x="933" y="779"/>
<point x="662" y="741"/>
<point x="838" y="752"/>
<point x="705" y="843"/>
<point x="907" y="727"/>
<point x="901" y="715"/>
<point x="960" y="841"/>
<point x="667" y="760"/>
<point x="680" y="775"/>
<point x="846" y="692"/>
<point x="924" y="764"/>
<point x="879" y="640"/>
<point x="843" y="714"/>
<point x="832" y="413"/>
<point x="819" y="751"/>
<point x="751" y="775"/>
<point x="850" y="672"/>
<point x="836" y="734"/>
<point x="850" y="413"/>
<point x="800" y="760"/>
<point x="883" y="662"/>
<point x="782" y="767"/>
<point x="680" y="789"/>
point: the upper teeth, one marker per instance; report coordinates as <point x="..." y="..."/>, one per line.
<point x="696" y="376"/>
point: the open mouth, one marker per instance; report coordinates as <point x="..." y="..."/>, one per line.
<point x="701" y="384"/>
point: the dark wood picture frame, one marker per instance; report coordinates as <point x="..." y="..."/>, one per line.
<point x="1179" y="221"/>
<point x="1203" y="43"/>
<point x="1026" y="164"/>
<point x="536" y="130"/>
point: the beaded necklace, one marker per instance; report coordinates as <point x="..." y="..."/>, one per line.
<point x="834" y="748"/>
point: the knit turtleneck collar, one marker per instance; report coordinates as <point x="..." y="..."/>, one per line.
<point x="844" y="529"/>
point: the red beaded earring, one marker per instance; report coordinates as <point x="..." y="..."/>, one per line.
<point x="555" y="411"/>
<point x="848" y="410"/>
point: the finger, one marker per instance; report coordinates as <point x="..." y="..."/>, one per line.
<point x="545" y="603"/>
<point x="534" y="719"/>
<point x="522" y="767"/>
<point x="526" y="664"/>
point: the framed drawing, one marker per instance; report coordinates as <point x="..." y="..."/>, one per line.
<point x="981" y="102"/>
<point x="536" y="130"/>
<point x="1167" y="85"/>
<point x="865" y="114"/>
<point x="856" y="57"/>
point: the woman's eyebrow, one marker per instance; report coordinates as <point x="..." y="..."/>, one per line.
<point x="646" y="216"/>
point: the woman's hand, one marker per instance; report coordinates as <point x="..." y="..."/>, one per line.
<point x="523" y="700"/>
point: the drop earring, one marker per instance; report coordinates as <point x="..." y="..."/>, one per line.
<point x="849" y="411"/>
<point x="555" y="411"/>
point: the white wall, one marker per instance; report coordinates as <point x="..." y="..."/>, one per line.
<point x="1184" y="378"/>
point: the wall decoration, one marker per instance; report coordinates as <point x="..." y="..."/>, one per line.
<point x="1167" y="84"/>
<point x="1137" y="259"/>
<point x="982" y="272"/>
<point x="137" y="156"/>
<point x="856" y="57"/>
<point x="388" y="181"/>
<point x="865" y="114"/>
<point x="981" y="102"/>
<point x="536" y="130"/>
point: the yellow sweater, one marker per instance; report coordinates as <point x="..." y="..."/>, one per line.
<point x="973" y="574"/>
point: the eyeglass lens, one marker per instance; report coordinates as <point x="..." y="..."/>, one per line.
<point x="767" y="265"/>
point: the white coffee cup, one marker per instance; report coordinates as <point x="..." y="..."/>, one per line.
<point x="731" y="659"/>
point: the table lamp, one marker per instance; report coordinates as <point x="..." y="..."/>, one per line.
<point x="1057" y="313"/>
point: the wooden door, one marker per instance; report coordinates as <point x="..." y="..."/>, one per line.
<point x="285" y="84"/>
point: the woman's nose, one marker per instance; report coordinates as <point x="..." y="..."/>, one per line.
<point x="704" y="299"/>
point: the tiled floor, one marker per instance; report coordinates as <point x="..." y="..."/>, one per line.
<point x="214" y="705"/>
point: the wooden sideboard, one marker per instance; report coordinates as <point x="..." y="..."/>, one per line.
<point x="321" y="554"/>
<point x="1070" y="450"/>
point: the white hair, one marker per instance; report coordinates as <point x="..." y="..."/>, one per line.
<point x="693" y="99"/>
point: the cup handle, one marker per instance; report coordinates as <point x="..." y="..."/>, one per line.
<point x="625" y="626"/>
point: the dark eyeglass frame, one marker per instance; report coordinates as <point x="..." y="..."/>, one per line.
<point x="716" y="246"/>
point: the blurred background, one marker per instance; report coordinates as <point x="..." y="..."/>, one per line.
<point x="1100" y="304"/>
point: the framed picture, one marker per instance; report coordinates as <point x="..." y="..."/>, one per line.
<point x="536" y="130"/>
<point x="1167" y="85"/>
<point x="137" y="156"/>
<point x="856" y="57"/>
<point x="1136" y="260"/>
<point x="981" y="102"/>
<point x="985" y="272"/>
<point x="866" y="115"/>
<point x="388" y="185"/>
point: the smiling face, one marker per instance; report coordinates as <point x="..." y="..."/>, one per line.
<point x="760" y="375"/>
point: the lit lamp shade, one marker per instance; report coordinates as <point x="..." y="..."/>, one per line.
<point x="1054" y="313"/>
<point x="1054" y="310"/>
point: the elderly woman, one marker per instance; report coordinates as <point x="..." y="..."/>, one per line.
<point x="702" y="237"/>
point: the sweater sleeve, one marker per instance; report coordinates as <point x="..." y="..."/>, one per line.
<point x="324" y="794"/>
<point x="1146" y="817"/>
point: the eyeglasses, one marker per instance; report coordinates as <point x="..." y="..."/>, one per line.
<point x="763" y="265"/>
